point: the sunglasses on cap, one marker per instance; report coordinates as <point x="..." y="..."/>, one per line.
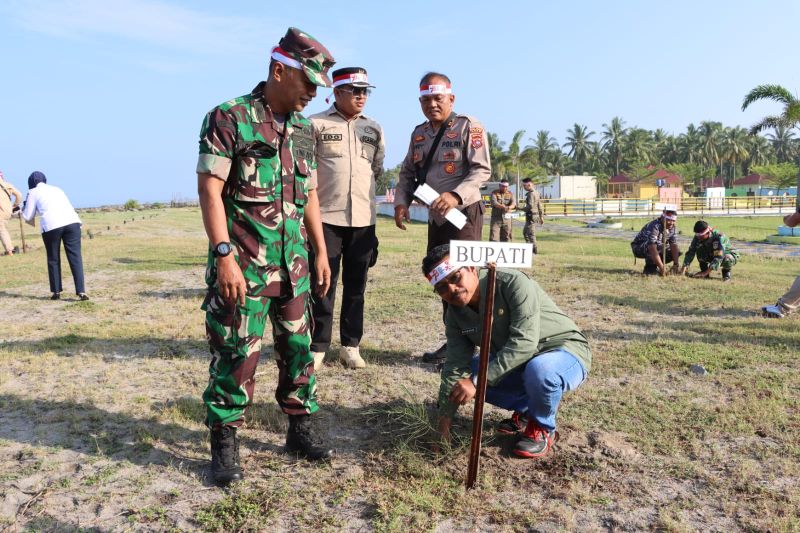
<point x="357" y="91"/>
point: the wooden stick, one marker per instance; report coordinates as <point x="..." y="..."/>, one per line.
<point x="480" y="394"/>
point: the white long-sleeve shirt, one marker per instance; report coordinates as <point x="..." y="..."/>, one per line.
<point x="52" y="206"/>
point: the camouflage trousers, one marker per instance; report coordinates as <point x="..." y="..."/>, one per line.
<point x="728" y="260"/>
<point x="234" y="334"/>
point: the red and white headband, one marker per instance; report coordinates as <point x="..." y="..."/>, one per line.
<point x="438" y="88"/>
<point x="353" y="77"/>
<point x="704" y="232"/>
<point x="282" y="57"/>
<point x="441" y="271"/>
<point x="670" y="217"/>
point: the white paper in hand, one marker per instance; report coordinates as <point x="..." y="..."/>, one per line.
<point x="427" y="195"/>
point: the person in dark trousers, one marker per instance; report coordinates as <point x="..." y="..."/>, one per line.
<point x="60" y="223"/>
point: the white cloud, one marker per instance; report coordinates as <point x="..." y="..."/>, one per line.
<point x="148" y="22"/>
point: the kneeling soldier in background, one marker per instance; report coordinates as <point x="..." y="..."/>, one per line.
<point x="713" y="249"/>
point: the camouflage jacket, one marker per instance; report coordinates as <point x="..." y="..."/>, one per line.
<point x="653" y="233"/>
<point x="268" y="170"/>
<point x="712" y="250"/>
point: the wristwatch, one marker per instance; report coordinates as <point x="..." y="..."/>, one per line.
<point x="222" y="249"/>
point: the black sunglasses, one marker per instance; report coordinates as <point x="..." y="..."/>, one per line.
<point x="358" y="91"/>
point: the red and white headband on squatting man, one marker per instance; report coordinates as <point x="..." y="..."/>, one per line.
<point x="435" y="88"/>
<point x="705" y="232"/>
<point x="441" y="271"/>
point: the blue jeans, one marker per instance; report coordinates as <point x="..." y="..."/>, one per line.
<point x="536" y="387"/>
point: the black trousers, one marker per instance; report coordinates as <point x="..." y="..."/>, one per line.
<point x="71" y="236"/>
<point x="352" y="251"/>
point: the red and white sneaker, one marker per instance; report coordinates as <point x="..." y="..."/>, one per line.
<point x="534" y="441"/>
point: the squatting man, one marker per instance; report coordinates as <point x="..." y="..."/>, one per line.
<point x="537" y="353"/>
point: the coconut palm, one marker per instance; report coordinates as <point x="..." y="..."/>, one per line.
<point x="638" y="146"/>
<point x="734" y="149"/>
<point x="497" y="156"/>
<point x="710" y="137"/>
<point x="689" y="145"/>
<point x="578" y="143"/>
<point x="783" y="142"/>
<point x="543" y="144"/>
<point x="789" y="117"/>
<point x="761" y="153"/>
<point x="613" y="137"/>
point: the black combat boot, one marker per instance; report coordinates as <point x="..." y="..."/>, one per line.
<point x="436" y="356"/>
<point x="726" y="275"/>
<point x="225" y="467"/>
<point x="299" y="440"/>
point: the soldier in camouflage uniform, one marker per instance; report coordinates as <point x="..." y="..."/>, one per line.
<point x="713" y="249"/>
<point x="258" y="197"/>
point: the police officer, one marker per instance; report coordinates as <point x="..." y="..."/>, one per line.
<point x="533" y="212"/>
<point x="503" y="205"/>
<point x="450" y="153"/>
<point x="350" y="151"/>
<point x="713" y="249"/>
<point x="257" y="193"/>
<point x="649" y="243"/>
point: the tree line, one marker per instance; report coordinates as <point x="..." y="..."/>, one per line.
<point x="703" y="151"/>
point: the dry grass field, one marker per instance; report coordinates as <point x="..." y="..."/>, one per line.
<point x="101" y="420"/>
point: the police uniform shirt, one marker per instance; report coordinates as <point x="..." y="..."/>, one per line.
<point x="349" y="160"/>
<point x="460" y="162"/>
<point x="501" y="198"/>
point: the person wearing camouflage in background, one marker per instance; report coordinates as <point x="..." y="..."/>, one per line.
<point x="258" y="197"/>
<point x="533" y="204"/>
<point x="503" y="204"/>
<point x="713" y="249"/>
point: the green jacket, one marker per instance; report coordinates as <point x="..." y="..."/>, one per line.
<point x="526" y="323"/>
<point x="712" y="250"/>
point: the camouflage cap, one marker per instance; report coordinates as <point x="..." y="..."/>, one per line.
<point x="297" y="49"/>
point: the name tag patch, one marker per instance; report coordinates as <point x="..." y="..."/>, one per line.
<point x="331" y="137"/>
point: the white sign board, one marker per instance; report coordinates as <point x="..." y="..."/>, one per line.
<point x="503" y="254"/>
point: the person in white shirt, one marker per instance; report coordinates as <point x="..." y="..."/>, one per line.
<point x="59" y="222"/>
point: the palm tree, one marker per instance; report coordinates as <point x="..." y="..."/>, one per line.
<point x="613" y="137"/>
<point x="556" y="163"/>
<point x="513" y="154"/>
<point x="689" y="145"/>
<point x="710" y="134"/>
<point x="543" y="144"/>
<point x="789" y="117"/>
<point x="639" y="147"/>
<point x="734" y="149"/>
<point x="578" y="143"/>
<point x="497" y="156"/>
<point x="760" y="151"/>
<point x="783" y="143"/>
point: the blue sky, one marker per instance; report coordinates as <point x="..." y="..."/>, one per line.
<point x="106" y="97"/>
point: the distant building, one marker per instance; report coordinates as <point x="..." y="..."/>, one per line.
<point x="572" y="187"/>
<point x="622" y="186"/>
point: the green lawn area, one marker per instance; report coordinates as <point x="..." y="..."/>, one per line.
<point x="743" y="228"/>
<point x="102" y="417"/>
